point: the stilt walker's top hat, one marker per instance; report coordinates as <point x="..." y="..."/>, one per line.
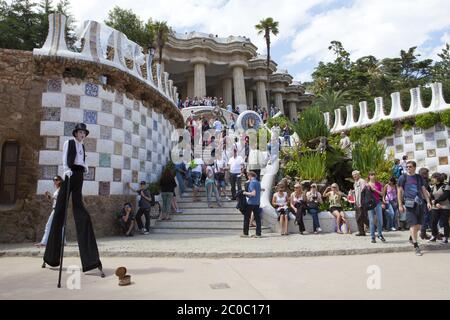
<point x="80" y="126"/>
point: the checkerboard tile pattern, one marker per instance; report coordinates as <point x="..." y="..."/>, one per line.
<point x="429" y="148"/>
<point x="127" y="142"/>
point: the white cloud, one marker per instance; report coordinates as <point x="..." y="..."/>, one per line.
<point x="380" y="28"/>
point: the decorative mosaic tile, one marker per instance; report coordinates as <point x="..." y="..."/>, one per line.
<point x="417" y="130"/>
<point x="105" y="160"/>
<point x="143" y="120"/>
<point x="106" y="106"/>
<point x="90" y="117"/>
<point x="48" y="172"/>
<point x="409" y="140"/>
<point x="126" y="163"/>
<point x="90" y="144"/>
<point x="128" y="113"/>
<point x="155" y="125"/>
<point x="443" y="161"/>
<point x="431" y="153"/>
<point x="410" y="155"/>
<point x="136" y="105"/>
<point x="119" y="97"/>
<point x="159" y="137"/>
<point x="419" y="146"/>
<point x="442" y="143"/>
<point x="154" y="167"/>
<point x="127" y="137"/>
<point x="104" y="188"/>
<point x="51" y="143"/>
<point x="91" y="90"/>
<point x="117" y="175"/>
<point x="149" y="133"/>
<point x="72" y="101"/>
<point x="118" y="123"/>
<point x="421" y="162"/>
<point x="439" y="127"/>
<point x="143" y="143"/>
<point x="429" y="136"/>
<point x="90" y="176"/>
<point x="136" y="128"/>
<point x="68" y="128"/>
<point x="155" y="145"/>
<point x="135" y="152"/>
<point x="142" y="166"/>
<point x="135" y="176"/>
<point x="118" y="148"/>
<point x="399" y="148"/>
<point x="51" y="114"/>
<point x="149" y="155"/>
<point x="159" y="159"/>
<point x="54" y="85"/>
<point x="159" y="117"/>
<point x="105" y="133"/>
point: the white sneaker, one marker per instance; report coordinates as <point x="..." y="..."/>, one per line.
<point x="179" y="211"/>
<point x="146" y="232"/>
<point x="319" y="230"/>
<point x="393" y="229"/>
<point x="143" y="231"/>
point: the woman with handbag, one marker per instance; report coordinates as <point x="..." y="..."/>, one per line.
<point x="298" y="205"/>
<point x="313" y="201"/>
<point x="280" y="202"/>
<point x="335" y="199"/>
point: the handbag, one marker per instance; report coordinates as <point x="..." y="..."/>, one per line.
<point x="410" y="203"/>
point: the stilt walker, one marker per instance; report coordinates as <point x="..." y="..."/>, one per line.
<point x="74" y="163"/>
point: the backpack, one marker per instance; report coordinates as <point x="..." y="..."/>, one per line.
<point x="397" y="170"/>
<point x="368" y="201"/>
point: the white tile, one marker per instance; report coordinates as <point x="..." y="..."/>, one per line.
<point x="419" y="138"/>
<point x="154" y="157"/>
<point x="135" y="116"/>
<point x="105" y="146"/>
<point x="440" y="135"/>
<point x="72" y="115"/>
<point x="116" y="161"/>
<point x="148" y="166"/>
<point x="430" y="144"/>
<point x="90" y="188"/>
<point x="90" y="103"/>
<point x="94" y="131"/>
<point x="431" y="162"/>
<point x="135" y="165"/>
<point x="142" y="132"/>
<point x="117" y="188"/>
<point x="127" y="177"/>
<point x="53" y="99"/>
<point x="118" y="109"/>
<point x="142" y="109"/>
<point x="142" y="176"/>
<point x="92" y="159"/>
<point x="127" y="102"/>
<point x="127" y="125"/>
<point x="43" y="186"/>
<point x="104" y="174"/>
<point x="127" y="150"/>
<point x="117" y="135"/>
<point x="445" y="168"/>
<point x="75" y="89"/>
<point x="142" y="154"/>
<point x="49" y="158"/>
<point x="154" y="177"/>
<point x="62" y="140"/>
<point x="105" y="119"/>
<point x="135" y="140"/>
<point x="149" y="123"/>
<point x="104" y="94"/>
<point x="442" y="152"/>
<point x="52" y="128"/>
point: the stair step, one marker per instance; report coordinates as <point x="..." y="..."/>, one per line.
<point x="201" y="197"/>
<point x="199" y="224"/>
<point x="204" y="205"/>
<point x="209" y="217"/>
<point x="236" y="231"/>
<point x="211" y="211"/>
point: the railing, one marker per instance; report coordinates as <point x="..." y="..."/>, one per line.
<point x="105" y="45"/>
<point x="416" y="107"/>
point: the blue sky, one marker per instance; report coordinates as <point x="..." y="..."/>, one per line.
<point x="378" y="27"/>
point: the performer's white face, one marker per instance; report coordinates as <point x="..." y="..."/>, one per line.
<point x="80" y="135"/>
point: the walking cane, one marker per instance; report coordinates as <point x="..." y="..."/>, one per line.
<point x="64" y="232"/>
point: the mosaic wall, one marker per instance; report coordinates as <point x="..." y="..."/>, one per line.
<point x="127" y="142"/>
<point x="429" y="148"/>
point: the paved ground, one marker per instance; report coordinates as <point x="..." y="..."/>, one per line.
<point x="229" y="246"/>
<point x="330" y="277"/>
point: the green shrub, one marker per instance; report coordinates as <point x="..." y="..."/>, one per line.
<point x="311" y="166"/>
<point x="382" y="129"/>
<point x="367" y="154"/>
<point x="427" y="120"/>
<point x="407" y="124"/>
<point x="281" y="121"/>
<point x="311" y="124"/>
<point x="153" y="188"/>
<point x="445" y="118"/>
<point x="356" y="133"/>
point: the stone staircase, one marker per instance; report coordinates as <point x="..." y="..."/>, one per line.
<point x="197" y="218"/>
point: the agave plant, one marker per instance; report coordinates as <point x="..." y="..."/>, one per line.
<point x="368" y="154"/>
<point x="311" y="124"/>
<point x="311" y="166"/>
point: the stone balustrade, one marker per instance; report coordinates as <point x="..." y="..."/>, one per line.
<point x="95" y="40"/>
<point x="416" y="107"/>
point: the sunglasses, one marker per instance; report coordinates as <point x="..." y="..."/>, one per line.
<point x="409" y="167"/>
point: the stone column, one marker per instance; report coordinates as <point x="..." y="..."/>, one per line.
<point x="292" y="110"/>
<point x="239" y="85"/>
<point x="250" y="99"/>
<point x="261" y="96"/>
<point x="190" y="86"/>
<point x="279" y="101"/>
<point x="227" y="91"/>
<point x="199" y="80"/>
<point x="218" y="93"/>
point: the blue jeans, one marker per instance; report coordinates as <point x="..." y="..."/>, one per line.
<point x="426" y="223"/>
<point x="315" y="216"/>
<point x="390" y="214"/>
<point x="180" y="180"/>
<point x="379" y="212"/>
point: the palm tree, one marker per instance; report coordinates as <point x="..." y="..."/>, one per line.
<point x="330" y="100"/>
<point x="161" y="31"/>
<point x="267" y="26"/>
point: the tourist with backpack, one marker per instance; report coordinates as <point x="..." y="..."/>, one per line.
<point x="376" y="189"/>
<point x="412" y="196"/>
<point x="397" y="170"/>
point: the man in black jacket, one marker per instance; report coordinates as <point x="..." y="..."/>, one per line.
<point x="74" y="164"/>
